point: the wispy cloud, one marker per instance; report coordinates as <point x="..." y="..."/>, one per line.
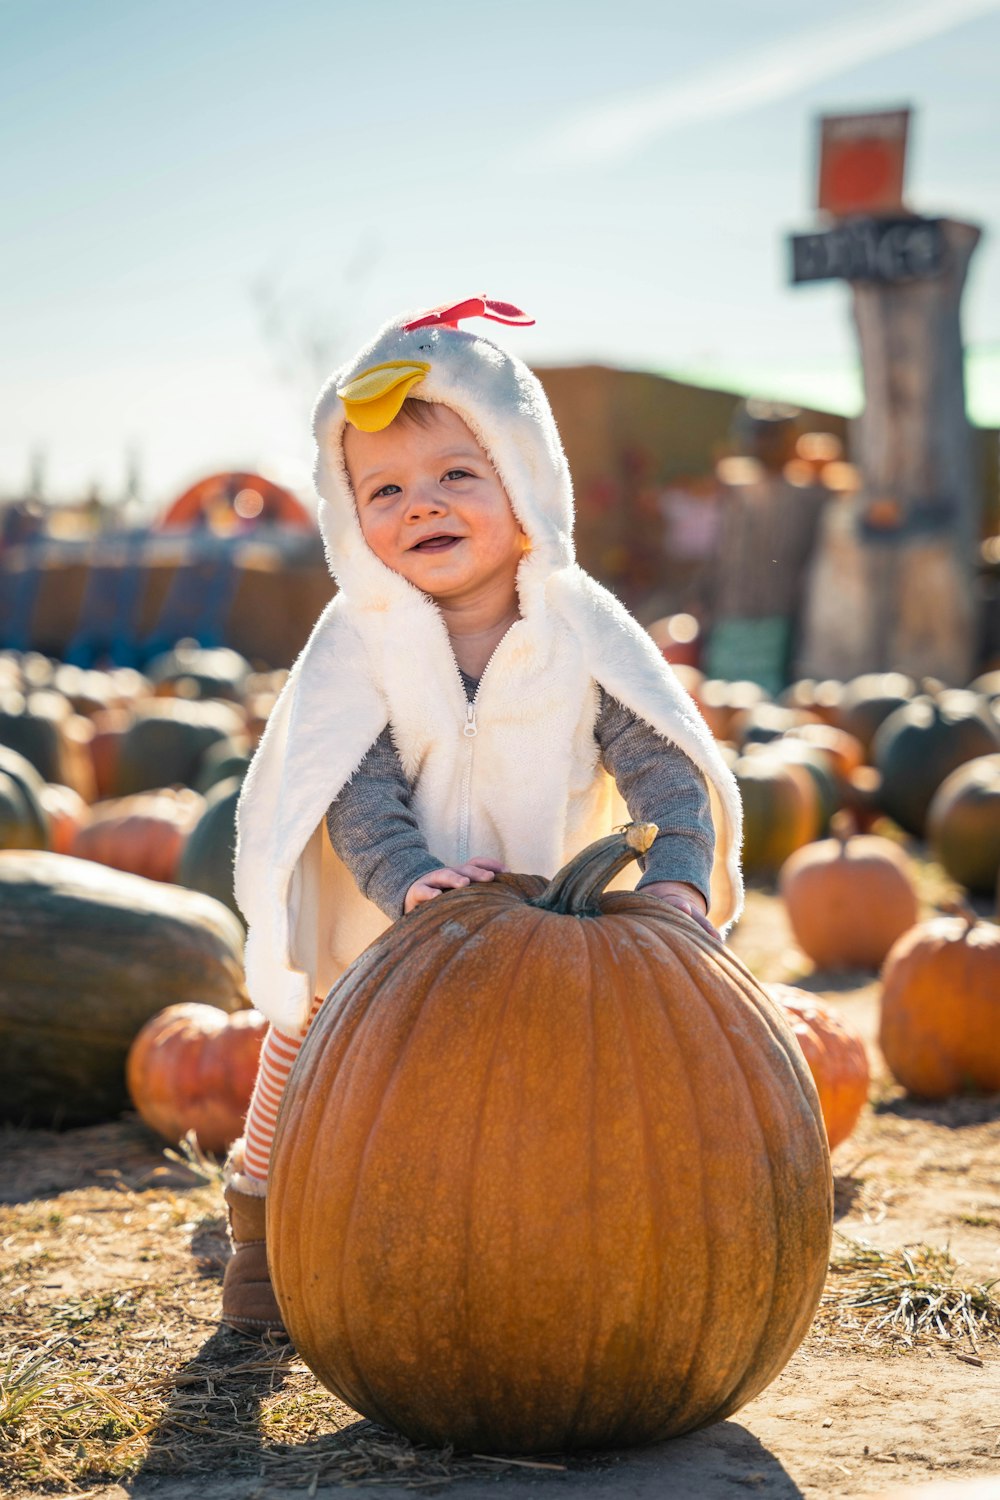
<point x="615" y="128"/>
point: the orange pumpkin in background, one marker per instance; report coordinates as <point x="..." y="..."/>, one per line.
<point x="144" y="834"/>
<point x="781" y="810"/>
<point x="848" y="898"/>
<point x="940" y="1007"/>
<point x="192" y="1068"/>
<point x="844" y="751"/>
<point x="836" y="1056"/>
<point x="524" y="1118"/>
<point x="67" y="813"/>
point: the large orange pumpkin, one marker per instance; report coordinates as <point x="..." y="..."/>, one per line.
<point x="550" y="1172"/>
<point x="836" y="1056"/>
<point x="848" y="899"/>
<point x="940" y="1011"/>
<point x="192" y="1067"/>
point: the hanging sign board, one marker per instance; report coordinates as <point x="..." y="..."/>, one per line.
<point x="862" y="159"/>
<point x="884" y="250"/>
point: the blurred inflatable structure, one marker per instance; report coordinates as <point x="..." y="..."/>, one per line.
<point x="236" y="560"/>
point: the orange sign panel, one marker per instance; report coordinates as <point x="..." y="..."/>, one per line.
<point x="861" y="162"/>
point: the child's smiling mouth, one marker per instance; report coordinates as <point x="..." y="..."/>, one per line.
<point x="439" y="543"/>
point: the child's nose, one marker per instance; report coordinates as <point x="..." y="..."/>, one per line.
<point x="427" y="497"/>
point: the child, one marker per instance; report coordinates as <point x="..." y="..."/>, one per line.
<point x="470" y="702"/>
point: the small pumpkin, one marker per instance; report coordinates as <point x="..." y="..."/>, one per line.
<point x="523" y="1118"/>
<point x="24" y="823"/>
<point x="166" y="740"/>
<point x="144" y="834"/>
<point x="939" y="1026"/>
<point x="781" y="810"/>
<point x="230" y="757"/>
<point x="214" y="672"/>
<point x="206" y="862"/>
<point x="963" y="823"/>
<point x="193" y="1068"/>
<point x="721" y="702"/>
<point x="867" y="701"/>
<point x="18" y="830"/>
<point x="844" y="751"/>
<point x="67" y="814"/>
<point x="765" y="723"/>
<point x="819" y="698"/>
<point x="848" y="898"/>
<point x="42" y="727"/>
<point x="922" y="743"/>
<point x="836" y="1056"/>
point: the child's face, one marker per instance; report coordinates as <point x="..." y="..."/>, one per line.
<point x="432" y="508"/>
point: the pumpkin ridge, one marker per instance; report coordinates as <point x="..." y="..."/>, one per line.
<point x="525" y="944"/>
<point x="769" y="1015"/>
<point x="310" y="1208"/>
<point x="658" y="973"/>
<point x="432" y="977"/>
<point x="315" y="1042"/>
<point x="634" y="1055"/>
<point x="743" y="1082"/>
<point x="586" y="1380"/>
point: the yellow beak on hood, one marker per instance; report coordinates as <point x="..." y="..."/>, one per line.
<point x="373" y="398"/>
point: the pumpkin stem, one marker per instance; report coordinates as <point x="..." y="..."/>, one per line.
<point x="959" y="907"/>
<point x="575" y="889"/>
<point x="843" y="826"/>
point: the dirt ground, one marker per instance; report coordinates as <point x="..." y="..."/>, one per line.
<point x="116" y="1380"/>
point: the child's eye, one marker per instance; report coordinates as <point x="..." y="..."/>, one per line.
<point x="387" y="489"/>
<point x="458" y="474"/>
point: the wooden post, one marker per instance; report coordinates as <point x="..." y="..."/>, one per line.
<point x="891" y="583"/>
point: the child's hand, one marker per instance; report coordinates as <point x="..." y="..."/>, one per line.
<point x="449" y="879"/>
<point x="686" y="898"/>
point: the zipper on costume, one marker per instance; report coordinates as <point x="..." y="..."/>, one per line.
<point x="470" y="729"/>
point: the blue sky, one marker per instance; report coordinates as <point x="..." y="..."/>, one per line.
<point x="205" y="203"/>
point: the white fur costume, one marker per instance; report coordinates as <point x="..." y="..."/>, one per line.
<point x="527" y="788"/>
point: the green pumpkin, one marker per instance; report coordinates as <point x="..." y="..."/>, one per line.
<point x="207" y="859"/>
<point x="963" y="824"/>
<point x="867" y="701"/>
<point x="166" y="742"/>
<point x="922" y="743"/>
<point x="24" y="824"/>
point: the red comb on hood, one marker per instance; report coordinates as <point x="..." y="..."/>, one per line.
<point x="448" y="314"/>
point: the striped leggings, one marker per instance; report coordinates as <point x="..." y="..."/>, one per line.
<point x="279" y="1051"/>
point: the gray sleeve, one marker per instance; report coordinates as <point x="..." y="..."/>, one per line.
<point x="660" y="785"/>
<point x="374" y="831"/>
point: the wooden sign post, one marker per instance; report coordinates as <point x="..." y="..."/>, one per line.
<point x="891" y="582"/>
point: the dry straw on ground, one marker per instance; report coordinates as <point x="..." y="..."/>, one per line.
<point x="904" y="1296"/>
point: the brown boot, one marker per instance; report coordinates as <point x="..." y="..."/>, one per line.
<point x="248" y="1300"/>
